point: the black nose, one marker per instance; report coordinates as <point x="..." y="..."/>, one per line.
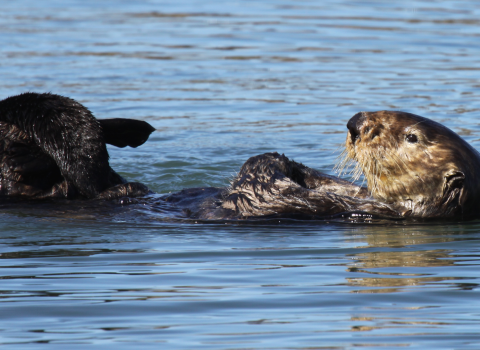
<point x="354" y="124"/>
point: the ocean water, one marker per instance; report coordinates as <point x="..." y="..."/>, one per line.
<point x="221" y="82"/>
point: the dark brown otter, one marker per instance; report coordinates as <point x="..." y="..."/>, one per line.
<point x="52" y="146"/>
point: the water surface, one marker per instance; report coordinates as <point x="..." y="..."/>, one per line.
<point x="223" y="81"/>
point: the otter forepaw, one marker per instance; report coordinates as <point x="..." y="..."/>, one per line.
<point x="129" y="189"/>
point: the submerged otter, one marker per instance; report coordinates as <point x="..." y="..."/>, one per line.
<point x="52" y="146"/>
<point x="414" y="168"/>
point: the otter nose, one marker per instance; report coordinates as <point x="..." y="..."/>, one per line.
<point x="354" y="124"/>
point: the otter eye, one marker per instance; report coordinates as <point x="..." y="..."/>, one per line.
<point x="411" y="138"/>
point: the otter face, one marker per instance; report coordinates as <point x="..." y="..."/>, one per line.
<point x="413" y="161"/>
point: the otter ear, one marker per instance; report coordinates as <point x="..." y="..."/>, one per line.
<point x="453" y="179"/>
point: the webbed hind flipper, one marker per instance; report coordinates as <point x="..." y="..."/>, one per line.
<point x="125" y="132"/>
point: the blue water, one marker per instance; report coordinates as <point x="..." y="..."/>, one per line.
<point x="223" y="81"/>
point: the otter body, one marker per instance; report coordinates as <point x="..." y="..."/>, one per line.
<point x="52" y="146"/>
<point x="414" y="167"/>
<point x="271" y="185"/>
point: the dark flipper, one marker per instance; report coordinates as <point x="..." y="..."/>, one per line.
<point x="125" y="132"/>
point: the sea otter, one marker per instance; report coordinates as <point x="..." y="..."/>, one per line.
<point x="52" y="146"/>
<point x="414" y="167"/>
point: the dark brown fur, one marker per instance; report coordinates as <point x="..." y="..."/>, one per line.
<point x="52" y="146"/>
<point x="271" y="185"/>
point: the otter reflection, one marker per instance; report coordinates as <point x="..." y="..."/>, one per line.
<point x="398" y="260"/>
<point x="52" y="146"/>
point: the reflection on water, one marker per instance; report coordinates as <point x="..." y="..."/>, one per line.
<point x="222" y="82"/>
<point x="395" y="264"/>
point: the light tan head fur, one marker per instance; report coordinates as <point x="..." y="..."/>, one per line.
<point x="415" y="162"/>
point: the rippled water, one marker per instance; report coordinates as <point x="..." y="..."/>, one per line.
<point x="223" y="81"/>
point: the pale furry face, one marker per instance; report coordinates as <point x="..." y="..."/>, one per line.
<point x="410" y="159"/>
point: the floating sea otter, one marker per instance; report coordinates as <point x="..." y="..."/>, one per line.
<point x="52" y="146"/>
<point x="414" y="168"/>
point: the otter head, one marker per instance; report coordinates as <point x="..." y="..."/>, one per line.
<point x="413" y="162"/>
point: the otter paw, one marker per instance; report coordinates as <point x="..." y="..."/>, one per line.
<point x="129" y="189"/>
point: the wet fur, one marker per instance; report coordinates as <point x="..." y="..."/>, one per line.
<point x="434" y="177"/>
<point x="271" y="185"/>
<point x="52" y="146"/>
